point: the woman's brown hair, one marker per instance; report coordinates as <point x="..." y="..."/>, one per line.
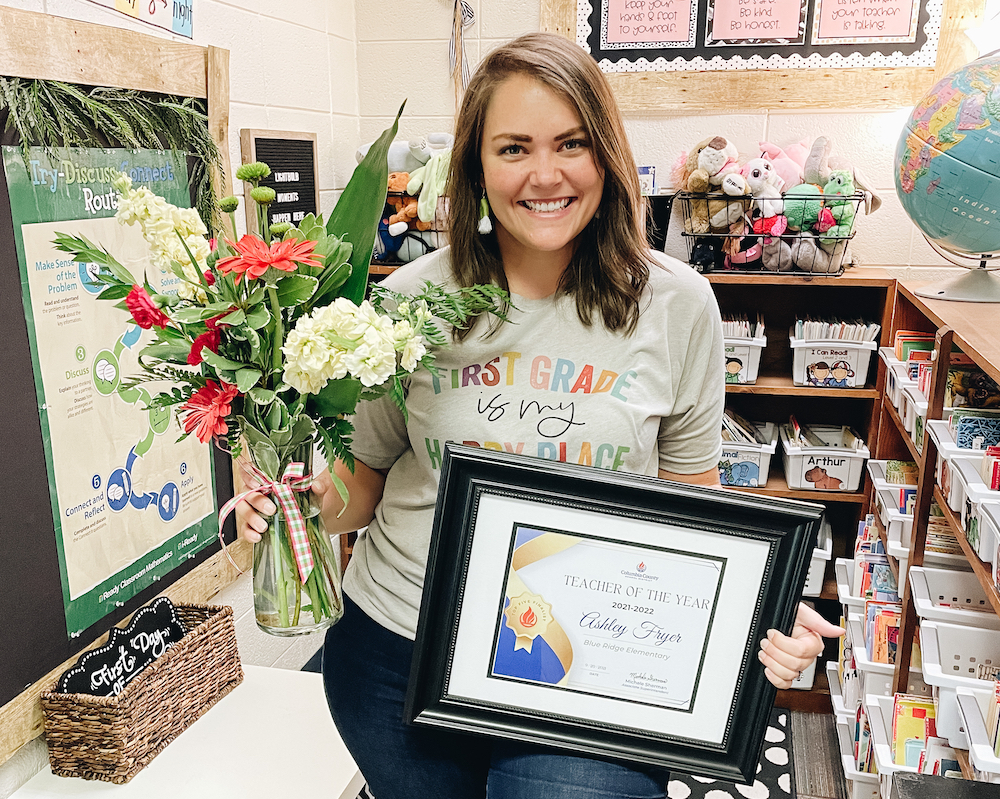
<point x="610" y="266"/>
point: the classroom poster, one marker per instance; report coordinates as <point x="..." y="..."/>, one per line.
<point x="175" y="16"/>
<point x="129" y="502"/>
<point x="697" y="35"/>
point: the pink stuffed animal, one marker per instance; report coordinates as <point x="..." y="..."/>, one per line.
<point x="788" y="163"/>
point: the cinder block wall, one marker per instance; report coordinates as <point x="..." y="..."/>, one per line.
<point x="402" y="50"/>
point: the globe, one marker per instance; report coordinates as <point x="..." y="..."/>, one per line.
<point x="947" y="170"/>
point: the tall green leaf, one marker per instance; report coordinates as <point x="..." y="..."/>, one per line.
<point x="359" y="209"/>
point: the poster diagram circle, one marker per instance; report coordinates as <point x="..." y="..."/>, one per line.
<point x="88" y="278"/>
<point x="159" y="420"/>
<point x="106" y="373"/>
<point x="169" y="501"/>
<point x="119" y="490"/>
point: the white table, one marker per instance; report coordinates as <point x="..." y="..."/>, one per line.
<point x="272" y="736"/>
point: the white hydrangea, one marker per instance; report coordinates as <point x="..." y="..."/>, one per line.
<point x="343" y="338"/>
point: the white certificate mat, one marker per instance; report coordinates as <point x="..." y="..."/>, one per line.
<point x="610" y="619"/>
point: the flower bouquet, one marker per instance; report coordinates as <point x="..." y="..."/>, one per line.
<point x="266" y="348"/>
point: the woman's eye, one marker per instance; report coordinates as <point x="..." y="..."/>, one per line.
<point x="511" y="149"/>
<point x="574" y="144"/>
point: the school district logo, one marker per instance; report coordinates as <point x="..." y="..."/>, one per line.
<point x="641" y="568"/>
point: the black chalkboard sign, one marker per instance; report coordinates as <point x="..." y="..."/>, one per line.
<point x="106" y="671"/>
<point x="292" y="158"/>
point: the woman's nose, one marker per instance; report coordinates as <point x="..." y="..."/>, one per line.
<point x="545" y="170"/>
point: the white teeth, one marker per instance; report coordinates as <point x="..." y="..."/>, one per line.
<point x="543" y="207"/>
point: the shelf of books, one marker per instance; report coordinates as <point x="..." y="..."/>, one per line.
<point x="803" y="397"/>
<point x="915" y="685"/>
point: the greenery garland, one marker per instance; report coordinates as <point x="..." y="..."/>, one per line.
<point x="53" y="114"/>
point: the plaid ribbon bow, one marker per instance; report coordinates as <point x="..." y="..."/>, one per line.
<point x="293" y="480"/>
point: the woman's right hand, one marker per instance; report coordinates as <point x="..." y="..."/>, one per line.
<point x="252" y="509"/>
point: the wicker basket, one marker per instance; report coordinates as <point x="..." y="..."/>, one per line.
<point x="112" y="738"/>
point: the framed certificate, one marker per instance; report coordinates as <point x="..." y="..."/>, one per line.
<point x="611" y="615"/>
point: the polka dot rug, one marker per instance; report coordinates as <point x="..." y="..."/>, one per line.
<point x="775" y="773"/>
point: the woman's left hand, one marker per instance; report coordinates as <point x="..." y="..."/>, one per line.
<point x="786" y="656"/>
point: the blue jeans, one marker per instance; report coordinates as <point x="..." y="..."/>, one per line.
<point x="365" y="671"/>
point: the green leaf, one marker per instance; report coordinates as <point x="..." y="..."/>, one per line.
<point x="219" y="362"/>
<point x="359" y="209"/>
<point x="114" y="292"/>
<point x="175" y="353"/>
<point x="258" y="317"/>
<point x="262" y="396"/>
<point x="246" y="378"/>
<point x="336" y="397"/>
<point x="198" y="313"/>
<point x="303" y="430"/>
<point x="295" y="289"/>
<point x="237" y="317"/>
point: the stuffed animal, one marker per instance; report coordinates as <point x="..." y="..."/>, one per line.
<point x="809" y="256"/>
<point x="817" y="166"/>
<point x="430" y="181"/>
<point x="766" y="209"/>
<point x="406" y="156"/>
<point x="802" y="206"/>
<point x="776" y="255"/>
<point x="405" y="213"/>
<point x="837" y="200"/>
<point x="724" y="212"/>
<point x="787" y="162"/>
<point x="698" y="172"/>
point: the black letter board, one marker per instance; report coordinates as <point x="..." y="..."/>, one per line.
<point x="292" y="158"/>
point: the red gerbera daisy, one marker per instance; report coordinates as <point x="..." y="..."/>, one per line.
<point x="207" y="410"/>
<point x="211" y="338"/>
<point x="255" y="256"/>
<point x="144" y="311"/>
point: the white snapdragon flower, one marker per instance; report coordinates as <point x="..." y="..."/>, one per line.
<point x="374" y="360"/>
<point x="409" y="344"/>
<point x="303" y="381"/>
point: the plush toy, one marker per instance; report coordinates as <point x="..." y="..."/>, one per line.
<point x="405" y="215"/>
<point x="809" y="256"/>
<point x="802" y="206"/>
<point x="706" y="254"/>
<point x="787" y="162"/>
<point x="837" y="201"/>
<point x="387" y="244"/>
<point x="817" y="166"/>
<point x="742" y="251"/>
<point x="763" y="183"/>
<point x="430" y="181"/>
<point x="698" y="172"/>
<point x="776" y="255"/>
<point x="406" y="156"/>
<point x="724" y="212"/>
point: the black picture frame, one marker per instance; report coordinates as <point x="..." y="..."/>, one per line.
<point x="707" y="712"/>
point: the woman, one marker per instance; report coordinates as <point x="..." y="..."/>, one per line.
<point x="612" y="357"/>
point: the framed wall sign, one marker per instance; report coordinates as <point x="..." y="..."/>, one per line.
<point x="745" y="55"/>
<point x="613" y="615"/>
<point x="293" y="161"/>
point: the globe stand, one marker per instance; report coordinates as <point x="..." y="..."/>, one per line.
<point x="978" y="285"/>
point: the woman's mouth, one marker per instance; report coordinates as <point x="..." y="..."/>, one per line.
<point x="547" y="206"/>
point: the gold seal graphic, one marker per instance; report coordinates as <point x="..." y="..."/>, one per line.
<point x="529" y="616"/>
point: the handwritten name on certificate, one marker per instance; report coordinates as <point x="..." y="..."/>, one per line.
<point x="608" y="618"/>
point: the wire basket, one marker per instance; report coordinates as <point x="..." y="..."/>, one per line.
<point x="112" y="738"/>
<point x="731" y="234"/>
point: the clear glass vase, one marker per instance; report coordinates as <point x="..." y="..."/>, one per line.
<point x="283" y="604"/>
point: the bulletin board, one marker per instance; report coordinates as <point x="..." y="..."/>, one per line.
<point x="34" y="636"/>
<point x="735" y="56"/>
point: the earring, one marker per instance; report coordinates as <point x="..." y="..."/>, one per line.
<point x="485" y="223"/>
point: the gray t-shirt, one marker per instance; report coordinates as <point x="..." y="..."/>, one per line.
<point x="547" y="386"/>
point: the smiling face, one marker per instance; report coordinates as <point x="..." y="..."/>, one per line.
<point x="539" y="173"/>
